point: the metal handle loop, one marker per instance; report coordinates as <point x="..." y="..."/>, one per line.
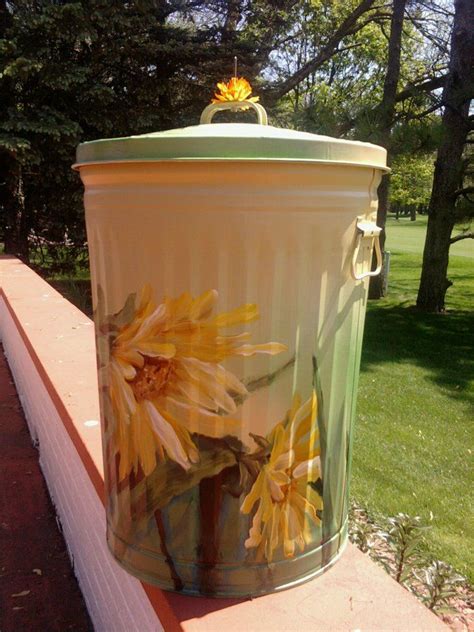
<point x="367" y="230"/>
<point x="210" y="110"/>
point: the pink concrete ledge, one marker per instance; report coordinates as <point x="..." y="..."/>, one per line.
<point x="51" y="351"/>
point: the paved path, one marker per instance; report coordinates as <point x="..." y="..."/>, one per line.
<point x="38" y="590"/>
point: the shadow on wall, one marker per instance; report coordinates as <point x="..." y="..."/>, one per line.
<point x="442" y="343"/>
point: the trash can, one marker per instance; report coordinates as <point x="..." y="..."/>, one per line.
<point x="230" y="266"/>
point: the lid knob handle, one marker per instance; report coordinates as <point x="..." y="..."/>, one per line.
<point x="211" y="109"/>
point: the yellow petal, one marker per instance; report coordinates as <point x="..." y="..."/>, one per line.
<point x="243" y="314"/>
<point x="304" y="419"/>
<point x="182" y="434"/>
<point x="144" y="440"/>
<point x="121" y="394"/>
<point x="127" y="355"/>
<point x="275" y="489"/>
<point x="193" y="394"/>
<point x="198" y="420"/>
<point x="284" y="461"/>
<point x="206" y="386"/>
<point x="279" y="441"/>
<point x="274" y="532"/>
<point x="146" y="295"/>
<point x="152" y="324"/>
<point x="295" y="404"/>
<point x="204" y="370"/>
<point x="166" y="435"/>
<point x="178" y="308"/>
<point x="203" y="305"/>
<point x="128" y="370"/>
<point x="271" y="348"/>
<point x="306" y="450"/>
<point x="254" y="494"/>
<point x="255" y="533"/>
<point x="311" y="469"/>
<point x="204" y="352"/>
<point x="293" y="527"/>
<point x="280" y="477"/>
<point x="306" y="507"/>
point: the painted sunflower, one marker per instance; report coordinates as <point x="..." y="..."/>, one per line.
<point x="237" y="89"/>
<point x="166" y="381"/>
<point x="286" y="504"/>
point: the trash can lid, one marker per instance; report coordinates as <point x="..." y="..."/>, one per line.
<point x="231" y="141"/>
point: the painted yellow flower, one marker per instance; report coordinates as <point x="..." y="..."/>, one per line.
<point x="286" y="503"/>
<point x="237" y="89"/>
<point x="166" y="380"/>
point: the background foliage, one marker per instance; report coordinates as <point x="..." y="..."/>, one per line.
<point x="75" y="71"/>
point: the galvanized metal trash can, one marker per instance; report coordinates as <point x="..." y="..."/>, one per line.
<point x="230" y="266"/>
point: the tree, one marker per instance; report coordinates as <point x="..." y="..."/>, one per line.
<point x="331" y="44"/>
<point x="385" y="116"/>
<point x="411" y="180"/>
<point x="449" y="168"/>
<point x="75" y="71"/>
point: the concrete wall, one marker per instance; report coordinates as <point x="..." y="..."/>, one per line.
<point x="50" y="349"/>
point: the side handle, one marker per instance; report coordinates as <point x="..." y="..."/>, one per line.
<point x="367" y="230"/>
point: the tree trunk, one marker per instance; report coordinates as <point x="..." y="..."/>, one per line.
<point x="385" y="112"/>
<point x="5" y="17"/>
<point x="457" y="95"/>
<point x="234" y="12"/>
<point x="377" y="284"/>
<point x="15" y="233"/>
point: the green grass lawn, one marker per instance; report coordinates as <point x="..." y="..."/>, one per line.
<point x="413" y="449"/>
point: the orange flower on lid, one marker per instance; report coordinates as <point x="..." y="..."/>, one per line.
<point x="237" y="89"/>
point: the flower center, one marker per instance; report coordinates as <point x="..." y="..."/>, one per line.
<point x="151" y="378"/>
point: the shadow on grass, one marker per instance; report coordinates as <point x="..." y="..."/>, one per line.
<point x="442" y="343"/>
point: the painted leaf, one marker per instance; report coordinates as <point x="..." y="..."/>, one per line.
<point x="126" y="314"/>
<point x="169" y="480"/>
<point x="256" y="383"/>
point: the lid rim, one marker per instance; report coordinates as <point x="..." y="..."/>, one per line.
<point x="231" y="141"/>
<point x="78" y="165"/>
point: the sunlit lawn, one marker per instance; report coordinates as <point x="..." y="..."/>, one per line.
<point x="413" y="448"/>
